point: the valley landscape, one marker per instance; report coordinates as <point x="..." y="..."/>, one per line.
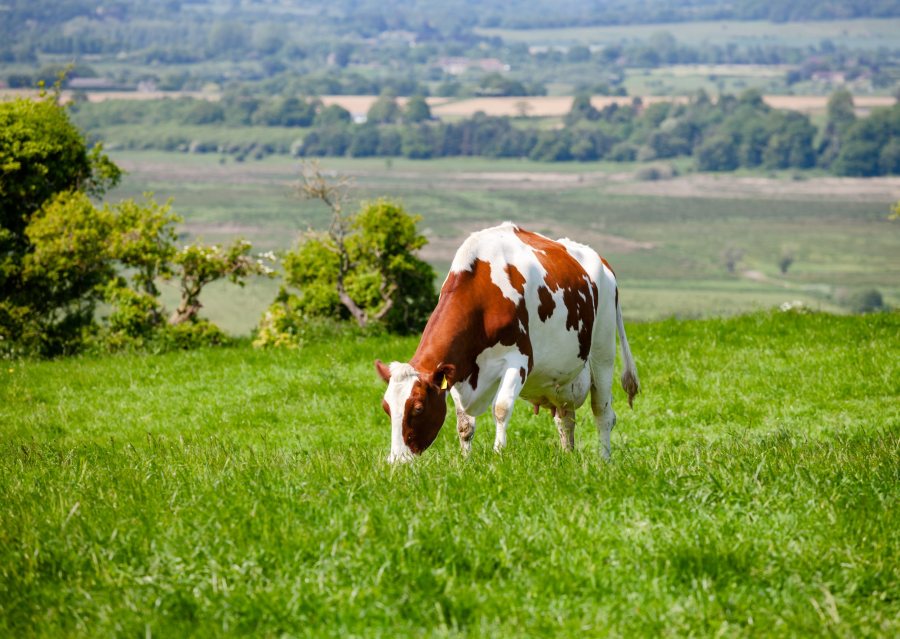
<point x="204" y="473"/>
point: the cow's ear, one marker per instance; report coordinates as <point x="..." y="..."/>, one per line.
<point x="445" y="376"/>
<point x="383" y="371"/>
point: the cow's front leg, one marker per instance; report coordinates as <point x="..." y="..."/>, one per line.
<point x="465" y="423"/>
<point x="465" y="427"/>
<point x="565" y="425"/>
<point x="510" y="386"/>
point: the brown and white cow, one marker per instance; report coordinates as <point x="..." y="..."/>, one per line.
<point x="519" y="315"/>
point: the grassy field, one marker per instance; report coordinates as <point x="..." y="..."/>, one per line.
<point x="866" y="33"/>
<point x="753" y="492"/>
<point x="665" y="239"/>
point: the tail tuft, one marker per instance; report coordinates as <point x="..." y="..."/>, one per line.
<point x="631" y="386"/>
<point x="630" y="382"/>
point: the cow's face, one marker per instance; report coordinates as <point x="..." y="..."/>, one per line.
<point x="416" y="404"/>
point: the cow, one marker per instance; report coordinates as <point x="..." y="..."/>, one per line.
<point x="519" y="315"/>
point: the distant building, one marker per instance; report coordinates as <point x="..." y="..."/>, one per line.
<point x="407" y="37"/>
<point x="830" y="77"/>
<point x="458" y="66"/>
<point x="92" y="84"/>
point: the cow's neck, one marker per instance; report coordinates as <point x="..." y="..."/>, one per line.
<point x="452" y="336"/>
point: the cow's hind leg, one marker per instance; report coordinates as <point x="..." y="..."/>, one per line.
<point x="510" y="386"/>
<point x="601" y="405"/>
<point x="565" y="424"/>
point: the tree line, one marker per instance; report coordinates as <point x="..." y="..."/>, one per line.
<point x="720" y="135"/>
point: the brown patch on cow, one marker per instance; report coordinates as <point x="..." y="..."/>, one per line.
<point x="516" y="279"/>
<point x="565" y="273"/>
<point x="545" y="309"/>
<point x="423" y="416"/>
<point x="523" y="374"/>
<point x="473" y="315"/>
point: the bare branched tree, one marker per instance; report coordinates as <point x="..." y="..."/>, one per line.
<point x="333" y="192"/>
<point x="731" y="255"/>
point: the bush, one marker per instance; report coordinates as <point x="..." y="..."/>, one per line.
<point x="364" y="267"/>
<point x="193" y="334"/>
<point x="867" y="301"/>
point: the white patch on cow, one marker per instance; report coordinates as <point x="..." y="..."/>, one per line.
<point x="403" y="376"/>
<point x="481" y="245"/>
<point x="500" y="278"/>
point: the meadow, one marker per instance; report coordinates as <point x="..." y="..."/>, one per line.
<point x="753" y="491"/>
<point x="865" y="33"/>
<point x="665" y="238"/>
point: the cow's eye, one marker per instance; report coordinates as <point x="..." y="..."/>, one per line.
<point x="418" y="409"/>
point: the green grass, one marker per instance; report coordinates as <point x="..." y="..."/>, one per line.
<point x="865" y="33"/>
<point x="753" y="492"/>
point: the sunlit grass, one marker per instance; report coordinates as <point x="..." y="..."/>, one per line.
<point x="753" y="491"/>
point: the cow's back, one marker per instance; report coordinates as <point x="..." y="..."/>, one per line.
<point x="540" y="303"/>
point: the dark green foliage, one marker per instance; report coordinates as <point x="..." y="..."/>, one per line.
<point x="384" y="110"/>
<point x="204" y="112"/>
<point x="870" y="145"/>
<point x="53" y="252"/>
<point x="867" y="301"/>
<point x="582" y="109"/>
<point x="718" y="153"/>
<point x="331" y="115"/>
<point x="496" y="84"/>
<point x="288" y="111"/>
<point x="42" y="154"/>
<point x="839" y="116"/>
<point x="416" y="110"/>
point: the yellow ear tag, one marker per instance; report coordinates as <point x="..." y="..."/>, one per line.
<point x="444" y="383"/>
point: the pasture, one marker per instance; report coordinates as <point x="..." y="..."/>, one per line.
<point x="865" y="33"/>
<point x="665" y="238"/>
<point x="753" y="491"/>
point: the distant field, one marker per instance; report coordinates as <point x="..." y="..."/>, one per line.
<point x="867" y="33"/>
<point x="666" y="239"/>
<point x="678" y="81"/>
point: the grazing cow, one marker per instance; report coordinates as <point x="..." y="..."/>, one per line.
<point x="519" y="315"/>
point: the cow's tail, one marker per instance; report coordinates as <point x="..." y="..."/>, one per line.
<point x="630" y="382"/>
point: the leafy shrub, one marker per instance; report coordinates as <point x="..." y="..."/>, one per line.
<point x="867" y="301"/>
<point x="195" y="334"/>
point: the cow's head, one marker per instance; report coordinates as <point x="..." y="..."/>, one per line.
<point x="416" y="404"/>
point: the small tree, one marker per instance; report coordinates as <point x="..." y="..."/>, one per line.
<point x="731" y="255"/>
<point x="416" y="110"/>
<point x="144" y="241"/>
<point x="365" y="258"/>
<point x="198" y="265"/>
<point x="364" y="267"/>
<point x="384" y="110"/>
<point x="788" y="256"/>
